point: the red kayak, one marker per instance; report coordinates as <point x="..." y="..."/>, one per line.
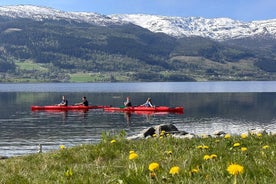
<point x="70" y="107"/>
<point x="146" y="109"/>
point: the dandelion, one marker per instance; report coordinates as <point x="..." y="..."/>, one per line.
<point x="265" y="147"/>
<point x="212" y="156"/>
<point x="153" y="166"/>
<point x="195" y="170"/>
<point x="227" y="136"/>
<point x="244" y="135"/>
<point x="112" y="141"/>
<point x="162" y="132"/>
<point x="174" y="170"/>
<point x="202" y="147"/>
<point x="69" y="173"/>
<point x="235" y="169"/>
<point x="154" y="135"/>
<point x="206" y="157"/>
<point x="236" y="144"/>
<point x="62" y="147"/>
<point x="133" y="156"/>
<point x="259" y="135"/>
<point x="243" y="149"/>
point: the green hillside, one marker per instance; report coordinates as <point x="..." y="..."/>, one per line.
<point x="62" y="51"/>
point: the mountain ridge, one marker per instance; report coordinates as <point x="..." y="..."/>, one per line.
<point x="219" y="29"/>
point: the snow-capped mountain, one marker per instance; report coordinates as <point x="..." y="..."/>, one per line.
<point x="217" y="28"/>
<point x="41" y="13"/>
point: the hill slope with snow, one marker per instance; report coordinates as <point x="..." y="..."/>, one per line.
<point x="218" y="28"/>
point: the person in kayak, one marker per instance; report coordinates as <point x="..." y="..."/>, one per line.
<point x="127" y="103"/>
<point x="148" y="103"/>
<point x="63" y="102"/>
<point x="84" y="102"/>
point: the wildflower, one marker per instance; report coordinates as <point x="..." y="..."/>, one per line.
<point x="236" y="144"/>
<point x="227" y="136"/>
<point x="131" y="151"/>
<point x="244" y="135"/>
<point x="202" y="147"/>
<point x="153" y="166"/>
<point x="259" y="135"/>
<point x="62" y="147"/>
<point x="265" y="147"/>
<point x="162" y="132"/>
<point x="174" y="170"/>
<point x="243" y="149"/>
<point x="112" y="141"/>
<point x="213" y="156"/>
<point x="133" y="156"/>
<point x="154" y="135"/>
<point x="69" y="172"/>
<point x="195" y="170"/>
<point x="235" y="169"/>
<point x="206" y="157"/>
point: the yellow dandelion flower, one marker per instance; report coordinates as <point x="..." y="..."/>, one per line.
<point x="153" y="166"/>
<point x="243" y="149"/>
<point x="206" y="157"/>
<point x="213" y="156"/>
<point x="227" y="136"/>
<point x="244" y="135"/>
<point x="236" y="144"/>
<point x="69" y="172"/>
<point x="162" y="132"/>
<point x="195" y="170"/>
<point x="62" y="147"/>
<point x="235" y="169"/>
<point x="265" y="147"/>
<point x="133" y="156"/>
<point x="112" y="141"/>
<point x="174" y="170"/>
<point x="259" y="135"/>
<point x="202" y="147"/>
<point x="154" y="135"/>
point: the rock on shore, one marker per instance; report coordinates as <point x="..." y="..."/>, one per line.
<point x="165" y="129"/>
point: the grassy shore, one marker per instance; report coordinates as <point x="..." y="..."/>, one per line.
<point x="228" y="159"/>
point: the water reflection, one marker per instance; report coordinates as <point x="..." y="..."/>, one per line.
<point x="22" y="130"/>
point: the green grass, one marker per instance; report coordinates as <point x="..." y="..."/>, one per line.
<point x="108" y="161"/>
<point x="29" y="65"/>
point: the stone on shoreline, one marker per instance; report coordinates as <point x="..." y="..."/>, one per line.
<point x="171" y="129"/>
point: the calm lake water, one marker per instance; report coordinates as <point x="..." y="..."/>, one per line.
<point x="233" y="107"/>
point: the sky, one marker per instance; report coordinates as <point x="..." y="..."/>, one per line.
<point x="243" y="10"/>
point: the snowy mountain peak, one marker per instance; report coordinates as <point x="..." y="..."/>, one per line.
<point x="217" y="28"/>
<point x="40" y="13"/>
